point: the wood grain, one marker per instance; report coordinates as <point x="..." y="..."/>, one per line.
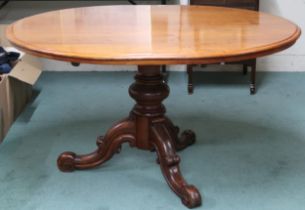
<point x="145" y="35"/>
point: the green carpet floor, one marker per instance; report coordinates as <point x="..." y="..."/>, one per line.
<point x="249" y="155"/>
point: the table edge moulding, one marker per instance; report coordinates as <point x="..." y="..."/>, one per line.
<point x="156" y="58"/>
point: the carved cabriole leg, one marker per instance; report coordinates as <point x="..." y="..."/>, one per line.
<point x="169" y="162"/>
<point x="123" y="131"/>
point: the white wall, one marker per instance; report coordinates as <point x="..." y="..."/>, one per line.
<point x="292" y="59"/>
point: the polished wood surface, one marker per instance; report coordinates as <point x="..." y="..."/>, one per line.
<point x="144" y="35"/>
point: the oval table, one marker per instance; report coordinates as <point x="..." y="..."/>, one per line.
<point x="150" y="36"/>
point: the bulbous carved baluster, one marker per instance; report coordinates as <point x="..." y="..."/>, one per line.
<point x="122" y="132"/>
<point x="169" y="163"/>
<point x="186" y="138"/>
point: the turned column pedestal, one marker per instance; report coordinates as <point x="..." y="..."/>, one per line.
<point x="146" y="128"/>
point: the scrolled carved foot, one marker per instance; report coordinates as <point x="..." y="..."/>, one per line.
<point x="169" y="163"/>
<point x="192" y="197"/>
<point x="120" y="133"/>
<point x="65" y="162"/>
<point x="187" y="138"/>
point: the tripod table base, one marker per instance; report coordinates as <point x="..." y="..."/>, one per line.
<point x="146" y="128"/>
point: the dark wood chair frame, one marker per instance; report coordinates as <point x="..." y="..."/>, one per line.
<point x="245" y="4"/>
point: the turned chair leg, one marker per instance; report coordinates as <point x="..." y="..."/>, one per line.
<point x="190" y="85"/>
<point x="245" y="69"/>
<point x="163" y="67"/>
<point x="253" y="78"/>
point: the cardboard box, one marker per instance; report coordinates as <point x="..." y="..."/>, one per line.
<point x="16" y="87"/>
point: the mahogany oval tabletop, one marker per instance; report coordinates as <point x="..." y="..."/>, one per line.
<point x="146" y="35"/>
